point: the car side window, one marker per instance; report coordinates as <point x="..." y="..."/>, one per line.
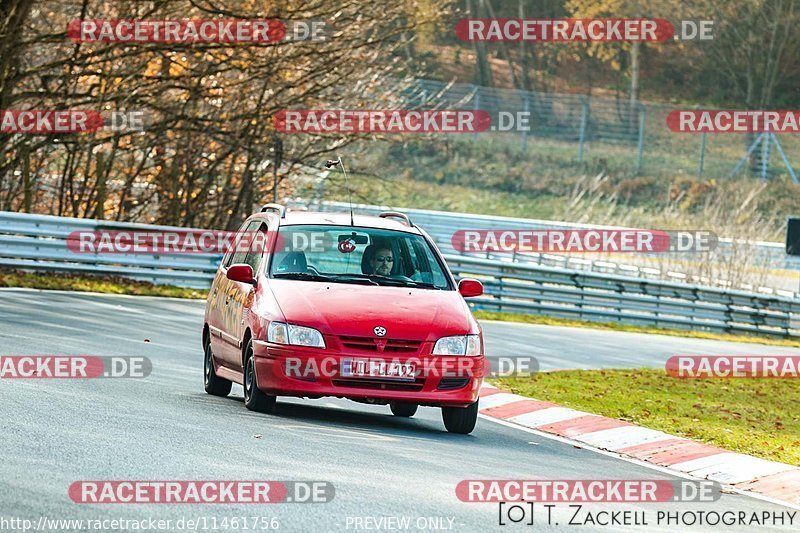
<point x="227" y="259"/>
<point x="239" y="255"/>
<point x="422" y="258"/>
<point x="253" y="257"/>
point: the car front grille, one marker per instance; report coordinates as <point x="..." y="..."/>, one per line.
<point x="368" y="344"/>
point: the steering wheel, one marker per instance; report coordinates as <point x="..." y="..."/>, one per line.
<point x="312" y="270"/>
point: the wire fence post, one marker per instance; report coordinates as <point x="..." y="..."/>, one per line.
<point x="765" y="155"/>
<point x="702" y="154"/>
<point x="476" y="107"/>
<point x="527" y="108"/>
<point x="582" y="133"/>
<point x="640" y="147"/>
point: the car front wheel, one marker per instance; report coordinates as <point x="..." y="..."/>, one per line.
<point x="254" y="398"/>
<point x="460" y="419"/>
<point x="212" y="383"/>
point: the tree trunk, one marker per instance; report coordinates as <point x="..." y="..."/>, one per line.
<point x="483" y="75"/>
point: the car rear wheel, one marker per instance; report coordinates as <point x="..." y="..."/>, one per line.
<point x="460" y="419"/>
<point x="403" y="408"/>
<point x="254" y="398"/>
<point x="212" y="383"/>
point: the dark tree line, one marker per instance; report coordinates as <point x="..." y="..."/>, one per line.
<point x="205" y="155"/>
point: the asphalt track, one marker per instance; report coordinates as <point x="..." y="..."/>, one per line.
<point x="164" y="427"/>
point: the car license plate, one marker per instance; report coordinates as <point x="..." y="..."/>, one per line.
<point x="374" y="368"/>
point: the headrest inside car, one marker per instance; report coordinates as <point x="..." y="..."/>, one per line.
<point x="293" y="262"/>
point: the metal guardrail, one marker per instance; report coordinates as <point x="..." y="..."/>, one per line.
<point x="38" y="242"/>
<point x="541" y="290"/>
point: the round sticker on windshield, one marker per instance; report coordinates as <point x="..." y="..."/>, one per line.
<point x="347" y="246"/>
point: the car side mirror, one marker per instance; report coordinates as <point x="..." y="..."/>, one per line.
<point x="468" y="287"/>
<point x="241" y="272"/>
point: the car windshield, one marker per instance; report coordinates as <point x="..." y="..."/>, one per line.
<point x="356" y="255"/>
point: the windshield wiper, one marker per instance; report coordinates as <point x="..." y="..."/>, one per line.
<point x="394" y="282"/>
<point x="421" y="284"/>
<point x="302" y="275"/>
<point x="355" y="277"/>
<point x="308" y="276"/>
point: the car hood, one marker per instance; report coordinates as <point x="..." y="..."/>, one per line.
<point x="355" y="310"/>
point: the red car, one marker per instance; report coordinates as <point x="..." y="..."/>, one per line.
<point x="360" y="307"/>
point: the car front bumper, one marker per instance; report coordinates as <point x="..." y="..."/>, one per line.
<point x="307" y="372"/>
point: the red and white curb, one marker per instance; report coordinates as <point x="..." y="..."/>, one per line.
<point x="775" y="480"/>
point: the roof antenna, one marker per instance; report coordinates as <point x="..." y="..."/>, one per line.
<point x="338" y="161"/>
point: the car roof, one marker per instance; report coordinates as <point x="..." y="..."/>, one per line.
<point x="298" y="218"/>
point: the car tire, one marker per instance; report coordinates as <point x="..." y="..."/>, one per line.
<point x="403" y="409"/>
<point x="460" y="419"/>
<point x="254" y="398"/>
<point x="212" y="383"/>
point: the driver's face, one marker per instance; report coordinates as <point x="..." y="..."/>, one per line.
<point x="382" y="262"/>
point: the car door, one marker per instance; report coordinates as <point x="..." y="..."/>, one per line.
<point x="229" y="291"/>
<point x="216" y="301"/>
<point x="242" y="294"/>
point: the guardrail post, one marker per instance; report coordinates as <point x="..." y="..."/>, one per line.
<point x="499" y="294"/>
<point x="728" y="315"/>
<point x="582" y="298"/>
<point x="658" y="308"/>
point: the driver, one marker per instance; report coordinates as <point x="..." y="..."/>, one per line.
<point x="379" y="260"/>
<point x="382" y="262"/>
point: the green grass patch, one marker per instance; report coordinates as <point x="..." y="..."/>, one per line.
<point x="569" y="322"/>
<point x="753" y="416"/>
<point x="88" y="283"/>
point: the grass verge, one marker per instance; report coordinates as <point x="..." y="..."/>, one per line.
<point x="569" y="322"/>
<point x="87" y="283"/>
<point x="753" y="416"/>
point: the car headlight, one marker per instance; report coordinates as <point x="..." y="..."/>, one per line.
<point x="281" y="333"/>
<point x="459" y="345"/>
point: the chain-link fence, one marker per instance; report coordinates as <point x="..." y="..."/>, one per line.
<point x="605" y="133"/>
